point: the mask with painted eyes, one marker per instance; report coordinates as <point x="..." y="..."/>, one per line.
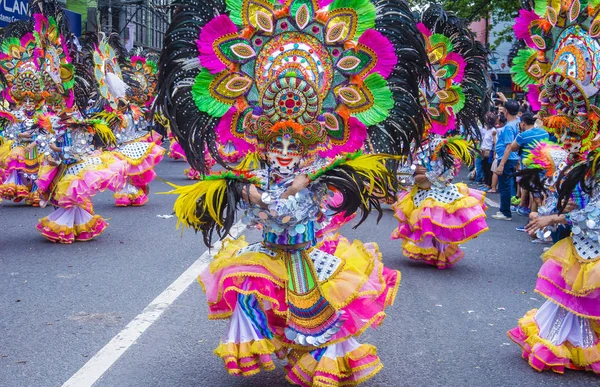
<point x="571" y="142"/>
<point x="284" y="154"/>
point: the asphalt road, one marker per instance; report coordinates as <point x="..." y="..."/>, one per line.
<point x="61" y="304"/>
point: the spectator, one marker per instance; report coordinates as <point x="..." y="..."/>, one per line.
<point x="488" y="139"/>
<point x="500" y="123"/>
<point x="525" y="141"/>
<point x="508" y="164"/>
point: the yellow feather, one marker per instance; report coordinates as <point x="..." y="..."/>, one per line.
<point x="373" y="168"/>
<point x="196" y="199"/>
<point x="249" y="163"/>
<point x="461" y="149"/>
<point x="105" y="133"/>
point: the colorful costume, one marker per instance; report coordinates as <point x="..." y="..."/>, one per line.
<point x="435" y="220"/>
<point x="128" y="121"/>
<point x="438" y="216"/>
<point x="19" y="62"/>
<point x="293" y="87"/>
<point x="559" y="69"/>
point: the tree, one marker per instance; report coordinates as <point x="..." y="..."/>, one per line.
<point x="474" y="10"/>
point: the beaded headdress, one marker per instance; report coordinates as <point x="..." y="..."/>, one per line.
<point x="331" y="68"/>
<point x="19" y="63"/>
<point x="559" y="67"/>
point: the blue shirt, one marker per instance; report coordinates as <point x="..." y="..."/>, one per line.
<point x="506" y="136"/>
<point x="529" y="138"/>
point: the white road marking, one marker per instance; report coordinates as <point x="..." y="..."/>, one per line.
<point x="107" y="356"/>
<point x="490" y="203"/>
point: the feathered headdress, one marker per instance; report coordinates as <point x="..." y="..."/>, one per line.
<point x="458" y="92"/>
<point x="326" y="66"/>
<point x="560" y="65"/>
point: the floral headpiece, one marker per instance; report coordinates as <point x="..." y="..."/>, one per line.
<point x="559" y="68"/>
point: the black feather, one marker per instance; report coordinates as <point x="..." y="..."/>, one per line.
<point x="194" y="129"/>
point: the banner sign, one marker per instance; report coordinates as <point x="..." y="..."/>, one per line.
<point x="11" y="10"/>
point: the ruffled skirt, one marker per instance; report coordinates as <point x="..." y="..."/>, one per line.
<point x="77" y="183"/>
<point x="552" y="338"/>
<point x="432" y="231"/>
<point x="67" y="225"/>
<point x="357" y="286"/>
<point x="141" y="158"/>
<point x="564" y="332"/>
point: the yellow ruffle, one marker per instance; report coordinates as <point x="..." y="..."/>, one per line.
<point x="247" y="355"/>
<point x="339" y="367"/>
<point x="582" y="275"/>
<point x="340" y="289"/>
<point x="431" y="253"/>
<point x="4" y="151"/>
<point x="581" y="357"/>
<point x="61" y="188"/>
<point x="407" y="204"/>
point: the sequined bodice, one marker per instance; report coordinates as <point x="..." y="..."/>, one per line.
<point x="288" y="221"/>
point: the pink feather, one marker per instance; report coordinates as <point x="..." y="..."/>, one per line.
<point x="423" y="29"/>
<point x="40" y="21"/>
<point x="213" y="30"/>
<point x="533" y="97"/>
<point x="441" y="129"/>
<point x="383" y="48"/>
<point x="136" y="58"/>
<point x="27" y="38"/>
<point x="521" y="27"/>
<point x="223" y="131"/>
<point x="460" y="72"/>
<point x="324" y="3"/>
<point x="356" y="139"/>
<point x="70" y="100"/>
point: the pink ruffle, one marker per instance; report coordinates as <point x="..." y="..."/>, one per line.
<point x="143" y="172"/>
<point x="449" y="228"/>
<point x="552" y="285"/>
<point x="541" y="358"/>
<point x="445" y="256"/>
<point x="359" y="314"/>
<point x="46" y="177"/>
<point x="14" y="162"/>
<point x="176" y="151"/>
<point x="80" y="190"/>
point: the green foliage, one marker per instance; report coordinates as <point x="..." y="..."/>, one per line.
<point x="473" y="10"/>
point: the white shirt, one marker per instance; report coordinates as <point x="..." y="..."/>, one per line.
<point x="487" y="142"/>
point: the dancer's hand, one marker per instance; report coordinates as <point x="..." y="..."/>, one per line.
<point x="571" y="205"/>
<point x="300" y="182"/>
<point x="422" y="181"/>
<point x="538" y="223"/>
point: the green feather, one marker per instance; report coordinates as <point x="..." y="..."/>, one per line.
<point x="439" y="38"/>
<point x="8" y="42"/>
<point x="202" y="97"/>
<point x="461" y="99"/>
<point x="363" y="8"/>
<point x="540" y="7"/>
<point x="235" y="11"/>
<point x="519" y="75"/>
<point x="383" y="101"/>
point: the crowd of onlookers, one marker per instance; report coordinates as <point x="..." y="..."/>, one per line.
<point x="510" y="129"/>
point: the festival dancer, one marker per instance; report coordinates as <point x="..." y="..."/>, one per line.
<point x="127" y="120"/>
<point x="559" y="71"/>
<point x="19" y="64"/>
<point x="436" y="216"/>
<point x="292" y="85"/>
<point x="73" y="170"/>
